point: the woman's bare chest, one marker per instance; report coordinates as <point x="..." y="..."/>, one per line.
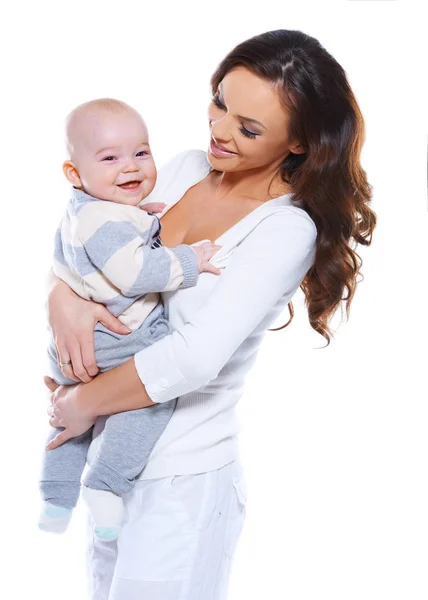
<point x="200" y="215"/>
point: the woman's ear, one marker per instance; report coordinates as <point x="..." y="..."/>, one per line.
<point x="72" y="174"/>
<point x="297" y="149"/>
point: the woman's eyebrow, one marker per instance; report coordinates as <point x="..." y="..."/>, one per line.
<point x="251" y="120"/>
<point x="242" y="117"/>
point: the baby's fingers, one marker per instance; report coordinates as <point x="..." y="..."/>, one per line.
<point x="209" y="268"/>
<point x="153" y="207"/>
<point x="210" y="250"/>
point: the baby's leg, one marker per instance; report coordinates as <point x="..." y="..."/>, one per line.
<point x="59" y="484"/>
<point x="61" y="472"/>
<point x="126" y="444"/>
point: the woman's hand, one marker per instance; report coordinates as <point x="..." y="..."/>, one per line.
<point x="66" y="411"/>
<point x="72" y="320"/>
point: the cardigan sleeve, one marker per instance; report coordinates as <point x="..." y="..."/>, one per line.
<point x="271" y="262"/>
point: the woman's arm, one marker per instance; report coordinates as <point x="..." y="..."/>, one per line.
<point x="72" y="320"/>
<point x="270" y="263"/>
<point x="76" y="407"/>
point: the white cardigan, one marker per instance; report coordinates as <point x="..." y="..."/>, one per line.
<point x="219" y="323"/>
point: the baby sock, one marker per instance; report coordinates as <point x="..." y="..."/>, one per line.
<point x="54" y="519"/>
<point x="106" y="509"/>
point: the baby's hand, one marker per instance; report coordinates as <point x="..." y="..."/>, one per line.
<point x="153" y="207"/>
<point x="203" y="253"/>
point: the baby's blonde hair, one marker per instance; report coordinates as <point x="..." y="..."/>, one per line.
<point x="87" y="108"/>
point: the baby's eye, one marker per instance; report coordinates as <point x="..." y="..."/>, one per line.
<point x="141" y="153"/>
<point x="109" y="158"/>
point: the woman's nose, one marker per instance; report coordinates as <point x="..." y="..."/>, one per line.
<point x="220" y="130"/>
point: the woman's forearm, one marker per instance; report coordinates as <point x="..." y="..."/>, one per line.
<point x="114" y="391"/>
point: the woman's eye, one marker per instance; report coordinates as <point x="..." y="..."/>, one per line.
<point x="109" y="158"/>
<point x="216" y="101"/>
<point x="141" y="153"/>
<point x="247" y="133"/>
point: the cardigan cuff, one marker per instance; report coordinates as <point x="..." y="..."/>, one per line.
<point x="156" y="368"/>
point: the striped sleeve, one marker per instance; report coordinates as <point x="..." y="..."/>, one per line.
<point x="121" y="248"/>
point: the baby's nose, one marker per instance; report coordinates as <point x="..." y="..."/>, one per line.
<point x="131" y="165"/>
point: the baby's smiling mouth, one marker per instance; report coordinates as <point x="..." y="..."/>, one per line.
<point x="130" y="185"/>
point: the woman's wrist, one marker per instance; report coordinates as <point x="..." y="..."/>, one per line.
<point x="86" y="401"/>
<point x="118" y="390"/>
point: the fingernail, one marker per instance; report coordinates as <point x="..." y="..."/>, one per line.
<point x="125" y="329"/>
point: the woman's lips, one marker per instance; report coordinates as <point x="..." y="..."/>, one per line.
<point x="131" y="186"/>
<point x="220" y="152"/>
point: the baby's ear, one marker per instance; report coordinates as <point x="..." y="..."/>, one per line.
<point x="72" y="174"/>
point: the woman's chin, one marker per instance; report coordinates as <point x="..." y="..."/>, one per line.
<point x="220" y="164"/>
<point x="211" y="160"/>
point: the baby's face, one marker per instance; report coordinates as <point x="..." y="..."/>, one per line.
<point x="113" y="157"/>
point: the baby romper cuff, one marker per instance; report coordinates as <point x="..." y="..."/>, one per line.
<point x="189" y="263"/>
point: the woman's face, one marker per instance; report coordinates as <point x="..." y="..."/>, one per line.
<point x="248" y="124"/>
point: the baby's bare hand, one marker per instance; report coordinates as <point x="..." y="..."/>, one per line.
<point x="153" y="207"/>
<point x="204" y="252"/>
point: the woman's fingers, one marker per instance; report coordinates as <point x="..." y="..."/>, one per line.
<point x="65" y="412"/>
<point x="55" y="421"/>
<point x="76" y="368"/>
<point x="108" y="320"/>
<point x="64" y="356"/>
<point x="59" y="439"/>
<point x="88" y="354"/>
<point x="50" y="383"/>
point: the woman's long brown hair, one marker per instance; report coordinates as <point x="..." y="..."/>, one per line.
<point x="328" y="179"/>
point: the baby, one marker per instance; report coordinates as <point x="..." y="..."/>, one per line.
<point x="108" y="250"/>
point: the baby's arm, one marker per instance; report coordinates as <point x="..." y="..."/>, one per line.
<point x="118" y="239"/>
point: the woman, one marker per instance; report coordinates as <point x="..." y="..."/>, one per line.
<point x="282" y="191"/>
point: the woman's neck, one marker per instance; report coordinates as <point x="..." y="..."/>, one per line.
<point x="255" y="184"/>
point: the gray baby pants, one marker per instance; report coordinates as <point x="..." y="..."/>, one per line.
<point x="128" y="437"/>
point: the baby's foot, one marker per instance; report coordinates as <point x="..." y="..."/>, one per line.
<point x="106" y="509"/>
<point x="54" y="519"/>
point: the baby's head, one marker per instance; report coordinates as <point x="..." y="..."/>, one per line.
<point x="109" y="153"/>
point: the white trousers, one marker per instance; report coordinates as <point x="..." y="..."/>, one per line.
<point x="177" y="541"/>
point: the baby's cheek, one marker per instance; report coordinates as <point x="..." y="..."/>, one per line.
<point x="150" y="174"/>
<point x="151" y="170"/>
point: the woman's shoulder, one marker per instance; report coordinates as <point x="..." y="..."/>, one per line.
<point x="302" y="216"/>
<point x="284" y="211"/>
<point x="284" y="224"/>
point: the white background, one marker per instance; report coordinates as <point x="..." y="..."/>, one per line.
<point x="335" y="440"/>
